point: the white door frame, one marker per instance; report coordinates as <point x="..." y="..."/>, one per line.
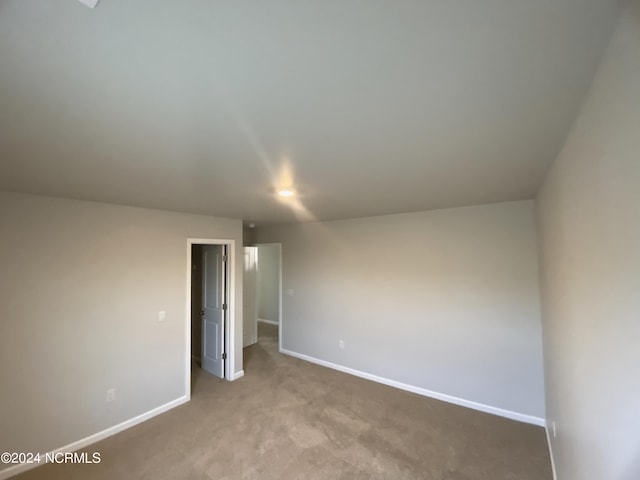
<point x="279" y="245"/>
<point x="229" y="325"/>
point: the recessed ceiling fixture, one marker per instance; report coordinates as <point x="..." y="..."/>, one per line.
<point x="286" y="192"/>
<point x="90" y="3"/>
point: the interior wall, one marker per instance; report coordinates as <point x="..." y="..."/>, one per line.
<point x="589" y="224"/>
<point x="249" y="295"/>
<point x="81" y="287"/>
<point x="269" y="282"/>
<point x="444" y="300"/>
<point x="247" y="236"/>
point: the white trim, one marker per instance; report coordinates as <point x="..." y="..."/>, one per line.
<point x="521" y="417"/>
<point x="231" y="316"/>
<point x="230" y="320"/>
<point x="96" y="437"/>
<point x="270" y="322"/>
<point x="237" y="375"/>
<point x="553" y="463"/>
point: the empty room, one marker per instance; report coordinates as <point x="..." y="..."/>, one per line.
<point x="313" y="239"/>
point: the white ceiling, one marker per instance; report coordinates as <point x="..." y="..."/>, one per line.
<point x="369" y="107"/>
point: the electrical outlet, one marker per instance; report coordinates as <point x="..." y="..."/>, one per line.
<point x="553" y="429"/>
<point x="162" y="316"/>
<point x="111" y="395"/>
<point x="341" y="344"/>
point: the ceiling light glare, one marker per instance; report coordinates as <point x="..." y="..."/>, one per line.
<point x="286" y="192"/>
<point x="90" y="3"/>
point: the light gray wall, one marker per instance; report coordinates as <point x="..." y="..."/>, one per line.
<point x="589" y="218"/>
<point x="81" y="285"/>
<point x="444" y="300"/>
<point x="269" y="282"/>
<point x="249" y="297"/>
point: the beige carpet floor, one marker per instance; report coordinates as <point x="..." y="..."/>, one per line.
<point x="288" y="419"/>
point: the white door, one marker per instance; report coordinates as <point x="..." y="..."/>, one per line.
<point x="213" y="308"/>
<point x="250" y="330"/>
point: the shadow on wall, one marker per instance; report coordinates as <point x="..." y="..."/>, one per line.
<point x="196" y="301"/>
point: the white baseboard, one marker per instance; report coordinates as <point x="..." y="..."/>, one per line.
<point x="270" y="322"/>
<point x="553" y="463"/>
<point x="248" y="341"/>
<point x="520" y="417"/>
<point x="96" y="437"/>
<point x="237" y="375"/>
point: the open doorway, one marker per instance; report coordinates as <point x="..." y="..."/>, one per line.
<point x="210" y="289"/>
<point x="262" y="288"/>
